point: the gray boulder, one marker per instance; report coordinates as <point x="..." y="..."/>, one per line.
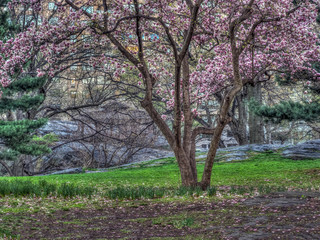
<point x="255" y="148"/>
<point x="75" y="155"/>
<point x="60" y="128"/>
<point x="243" y="152"/>
<point x="307" y="150"/>
<point x="236" y="156"/>
<point x="69" y="155"/>
<point x="68" y="171"/>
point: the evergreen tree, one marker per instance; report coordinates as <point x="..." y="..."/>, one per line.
<point x="291" y="111"/>
<point x="18" y="136"/>
<point x="7" y="29"/>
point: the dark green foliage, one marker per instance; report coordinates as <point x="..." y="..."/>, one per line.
<point x="18" y="188"/>
<point x="284" y="81"/>
<point x="141" y="192"/>
<point x="24" y="103"/>
<point x="17" y="136"/>
<point x="314" y="86"/>
<point x="291" y="111"/>
<point x="47" y="188"/>
<point x="26" y="84"/>
<point x="21" y="95"/>
<point x="9" y="155"/>
<point x="18" y="128"/>
<point x="181" y="191"/>
<point x="6" y="27"/>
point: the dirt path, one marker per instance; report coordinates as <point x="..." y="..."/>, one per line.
<point x="290" y="215"/>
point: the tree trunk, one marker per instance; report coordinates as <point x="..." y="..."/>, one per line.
<point x="222" y="121"/>
<point x="256" y="132"/>
<point x="6" y="166"/>
<point x="193" y="162"/>
<point x="188" y="141"/>
<point x="188" y="178"/>
<point x="229" y="96"/>
<point x="11" y="116"/>
<point x="18" y="166"/>
<point x="206" y="177"/>
<point x="239" y="125"/>
<point x="186" y="165"/>
<point x="268" y="133"/>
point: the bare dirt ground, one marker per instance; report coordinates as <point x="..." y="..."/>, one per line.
<point x="286" y="215"/>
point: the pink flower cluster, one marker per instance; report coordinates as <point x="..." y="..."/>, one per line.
<point x="283" y="37"/>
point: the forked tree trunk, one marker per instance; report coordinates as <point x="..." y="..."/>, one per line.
<point x="6" y="166"/>
<point x="188" y="177"/>
<point x="182" y="146"/>
<point x="186" y="163"/>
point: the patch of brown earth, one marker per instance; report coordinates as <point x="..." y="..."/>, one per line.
<point x="290" y="215"/>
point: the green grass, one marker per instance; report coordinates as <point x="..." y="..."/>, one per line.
<point x="177" y="221"/>
<point x="270" y="169"/>
<point x="263" y="173"/>
<point x="266" y="168"/>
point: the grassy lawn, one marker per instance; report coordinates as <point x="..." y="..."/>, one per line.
<point x="259" y="172"/>
<point x="267" y="168"/>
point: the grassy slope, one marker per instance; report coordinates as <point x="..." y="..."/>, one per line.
<point x="268" y="168"/>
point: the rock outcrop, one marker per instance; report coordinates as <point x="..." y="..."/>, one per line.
<point x="68" y="171"/>
<point x="243" y="152"/>
<point x="306" y="150"/>
<point x="75" y="154"/>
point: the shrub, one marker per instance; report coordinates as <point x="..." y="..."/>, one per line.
<point x="70" y="190"/>
<point x="212" y="191"/>
<point x="47" y="188"/>
<point x="135" y="193"/>
<point x="142" y="192"/>
<point x="18" y="188"/>
<point x="42" y="188"/>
